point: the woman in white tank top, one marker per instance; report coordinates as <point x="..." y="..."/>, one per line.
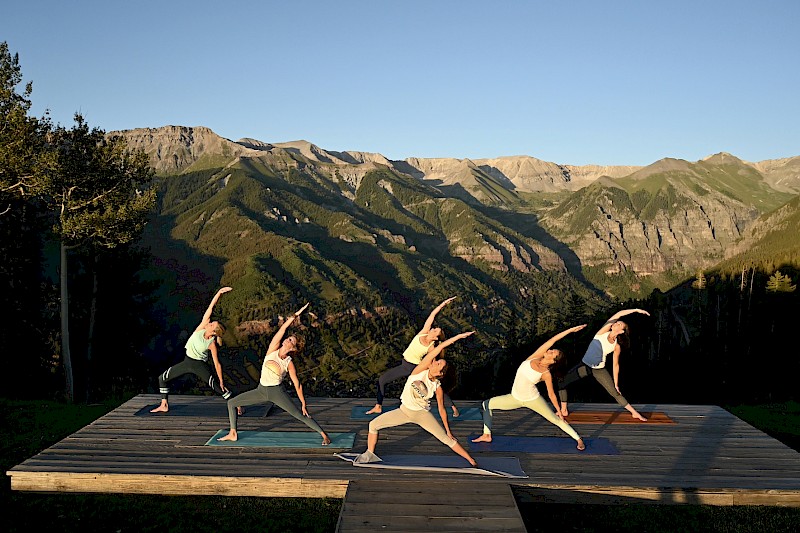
<point x="524" y="392"/>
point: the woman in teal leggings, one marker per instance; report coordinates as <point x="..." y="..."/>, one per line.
<point x="277" y="363"/>
<point x="524" y="392"/>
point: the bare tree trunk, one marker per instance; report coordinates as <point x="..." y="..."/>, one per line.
<point x="92" y="318"/>
<point x="65" y="354"/>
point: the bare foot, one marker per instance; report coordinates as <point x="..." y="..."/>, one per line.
<point x="375" y="410"/>
<point x="163" y="408"/>
<point x="637" y="416"/>
<point x="581" y="445"/>
<point x="486" y="437"/>
<point x="240" y="411"/>
<point x="325" y="439"/>
<point x="455" y="412"/>
<point x="564" y="410"/>
<point x="231" y="436"/>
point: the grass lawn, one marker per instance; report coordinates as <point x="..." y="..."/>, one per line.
<point x="34" y="425"/>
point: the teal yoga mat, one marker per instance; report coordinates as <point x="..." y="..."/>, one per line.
<point x="468" y="413"/>
<point x="283" y="439"/>
<point x="487" y="466"/>
<point x="560" y="445"/>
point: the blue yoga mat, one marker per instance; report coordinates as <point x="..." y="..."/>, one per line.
<point x="561" y="445"/>
<point x="487" y="466"/>
<point x="283" y="439"/>
<point x="468" y="413"/>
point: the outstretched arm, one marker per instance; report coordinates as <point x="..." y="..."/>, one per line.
<point x="617" y="350"/>
<point x="442" y="411"/>
<point x="616" y="316"/>
<point x="555" y="338"/>
<point x="207" y="315"/>
<point x="551" y="393"/>
<point x="431" y="355"/>
<point x="217" y="365"/>
<point x="278" y="337"/>
<point x="297" y="387"/>
<point x="429" y="323"/>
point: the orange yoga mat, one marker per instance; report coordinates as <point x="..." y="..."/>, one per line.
<point x="616" y="417"/>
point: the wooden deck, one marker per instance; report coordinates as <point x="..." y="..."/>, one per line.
<point x="707" y="456"/>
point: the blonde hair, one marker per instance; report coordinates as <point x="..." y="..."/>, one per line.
<point x="219" y="331"/>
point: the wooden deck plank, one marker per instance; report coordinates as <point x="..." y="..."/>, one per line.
<point x="371" y="505"/>
<point x="706" y="456"/>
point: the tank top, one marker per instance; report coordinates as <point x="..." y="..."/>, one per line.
<point x="268" y="377"/>
<point x="418" y="391"/>
<point x="197" y="346"/>
<point x="598" y="350"/>
<point x="525" y="381"/>
<point x="415" y="351"/>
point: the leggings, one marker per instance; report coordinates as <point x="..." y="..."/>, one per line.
<point x="190" y="366"/>
<point x="403" y="370"/>
<point x="404" y="415"/>
<point x="264" y="394"/>
<point x="509" y="403"/>
<point x="600" y="374"/>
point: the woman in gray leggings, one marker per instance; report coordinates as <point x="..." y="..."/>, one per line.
<point x="277" y="363"/>
<point x="606" y="341"/>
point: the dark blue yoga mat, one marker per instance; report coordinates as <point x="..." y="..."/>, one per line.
<point x="468" y="413"/>
<point x="560" y="445"/>
<point x="283" y="439"/>
<point x="487" y="466"/>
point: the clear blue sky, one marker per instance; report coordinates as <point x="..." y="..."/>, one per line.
<point x="572" y="82"/>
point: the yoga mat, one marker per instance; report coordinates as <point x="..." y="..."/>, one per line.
<point x="283" y="439"/>
<point x="468" y="413"/>
<point x="560" y="445"/>
<point x="202" y="410"/>
<point x="616" y="417"/>
<point x="487" y="466"/>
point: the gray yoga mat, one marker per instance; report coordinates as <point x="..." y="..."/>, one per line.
<point x="487" y="466"/>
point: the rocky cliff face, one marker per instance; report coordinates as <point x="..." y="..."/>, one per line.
<point x="173" y="149"/>
<point x="649" y="220"/>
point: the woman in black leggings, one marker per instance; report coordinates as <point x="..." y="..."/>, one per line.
<point x="201" y="345"/>
<point x="606" y="341"/>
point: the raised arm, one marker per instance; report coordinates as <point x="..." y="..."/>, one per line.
<point x="431" y="355"/>
<point x="554" y="339"/>
<point x="278" y="337"/>
<point x="207" y="315"/>
<point x="616" y="316"/>
<point x="429" y="323"/>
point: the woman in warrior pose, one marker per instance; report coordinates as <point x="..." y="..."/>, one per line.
<point x="607" y="340"/>
<point x="524" y="392"/>
<point x="202" y="343"/>
<point x="277" y="363"/>
<point x="415" y="403"/>
<point x="422" y="343"/>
